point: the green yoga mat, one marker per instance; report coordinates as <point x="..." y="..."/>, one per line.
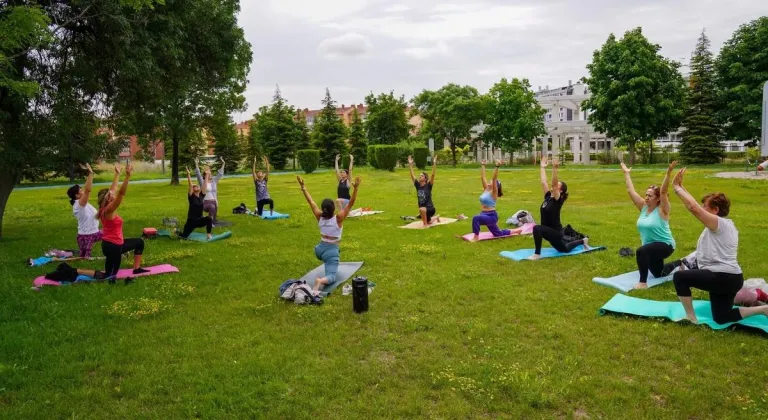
<point x="201" y="237"/>
<point x="623" y="304"/>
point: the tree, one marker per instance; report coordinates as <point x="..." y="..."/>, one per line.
<point x="386" y="119"/>
<point x="742" y="69"/>
<point x="450" y="113"/>
<point x="302" y="139"/>
<point x="358" y="144"/>
<point x="329" y="132"/>
<point x="258" y="126"/>
<point x="221" y="129"/>
<point x="702" y="134"/>
<point x="636" y="93"/>
<point x="277" y="129"/>
<point x="514" y="119"/>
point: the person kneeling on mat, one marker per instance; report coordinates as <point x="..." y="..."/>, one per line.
<point x="260" y="179"/>
<point x="718" y="270"/>
<point x="112" y="243"/>
<point x="211" y="202"/>
<point x="488" y="216"/>
<point x="195" y="218"/>
<point x="653" y="225"/>
<point x="331" y="227"/>
<point x="424" y="192"/>
<point x="342" y="191"/>
<point x="550" y="228"/>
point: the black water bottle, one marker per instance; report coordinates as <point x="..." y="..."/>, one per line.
<point x="360" y="294"/>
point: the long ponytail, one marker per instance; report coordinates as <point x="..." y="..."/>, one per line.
<point x="102" y="200"/>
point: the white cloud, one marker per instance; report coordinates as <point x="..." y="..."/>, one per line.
<point x="397" y="8"/>
<point x="347" y="45"/>
<point x="316" y="11"/>
<point x="440" y="49"/>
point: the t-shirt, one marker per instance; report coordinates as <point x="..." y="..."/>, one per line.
<point x="87" y="223"/>
<point x="343" y="190"/>
<point x="195" y="206"/>
<point x="550" y="211"/>
<point x="716" y="250"/>
<point x="424" y="193"/>
<point x="764" y="165"/>
<point x="261" y="189"/>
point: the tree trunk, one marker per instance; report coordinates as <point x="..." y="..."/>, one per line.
<point x="7" y="182"/>
<point x="453" y="151"/>
<point x="631" y="147"/>
<point x="175" y="159"/>
<point x="650" y="156"/>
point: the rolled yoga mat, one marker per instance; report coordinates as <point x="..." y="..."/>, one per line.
<point x="485" y="236"/>
<point x="420" y="225"/>
<point x="627" y="281"/>
<point x="201" y="237"/>
<point x="122" y="274"/>
<point x="346" y="270"/>
<point x="523" y="254"/>
<point x="622" y="304"/>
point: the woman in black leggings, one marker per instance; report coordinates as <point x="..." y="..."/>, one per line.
<point x="718" y="270"/>
<point x="196" y="197"/>
<point x="550" y="228"/>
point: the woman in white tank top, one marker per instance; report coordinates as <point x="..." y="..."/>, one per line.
<point x="331" y="228"/>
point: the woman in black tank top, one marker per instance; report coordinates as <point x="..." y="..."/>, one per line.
<point x="343" y="175"/>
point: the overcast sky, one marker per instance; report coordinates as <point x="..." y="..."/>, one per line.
<point x="354" y="47"/>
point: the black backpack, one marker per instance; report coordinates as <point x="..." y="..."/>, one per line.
<point x="241" y="209"/>
<point x="570" y="234"/>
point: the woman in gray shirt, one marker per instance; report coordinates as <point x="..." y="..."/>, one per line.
<point x="718" y="269"/>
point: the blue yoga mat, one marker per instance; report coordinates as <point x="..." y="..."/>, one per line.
<point x="627" y="281"/>
<point x="201" y="237"/>
<point x="622" y="304"/>
<point x="523" y="254"/>
<point x="345" y="271"/>
<point x="265" y="215"/>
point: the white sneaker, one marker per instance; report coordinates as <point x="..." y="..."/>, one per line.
<point x="346" y="290"/>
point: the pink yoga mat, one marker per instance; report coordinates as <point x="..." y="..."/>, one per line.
<point x="122" y="274"/>
<point x="484" y="236"/>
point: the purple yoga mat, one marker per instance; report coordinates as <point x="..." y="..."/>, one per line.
<point x="484" y="236"/>
<point x="122" y="274"/>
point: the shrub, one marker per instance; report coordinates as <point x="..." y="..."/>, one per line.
<point x="445" y="156"/>
<point x="372" y="156"/>
<point x="405" y="149"/>
<point x="386" y="156"/>
<point x="420" y="154"/>
<point x="344" y="162"/>
<point x="308" y="160"/>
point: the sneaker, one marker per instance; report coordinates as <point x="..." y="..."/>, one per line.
<point x="129" y="280"/>
<point x="140" y="270"/>
<point x="346" y="290"/>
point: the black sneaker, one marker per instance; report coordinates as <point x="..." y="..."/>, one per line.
<point x="129" y="280"/>
<point x="112" y="280"/>
<point x="140" y="270"/>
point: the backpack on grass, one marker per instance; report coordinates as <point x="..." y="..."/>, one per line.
<point x="299" y="292"/>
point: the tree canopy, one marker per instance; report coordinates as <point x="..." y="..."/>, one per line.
<point x="386" y="120"/>
<point x="513" y="116"/>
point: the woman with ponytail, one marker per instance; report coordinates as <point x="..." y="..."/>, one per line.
<point x="113" y="245"/>
<point x="331" y="226"/>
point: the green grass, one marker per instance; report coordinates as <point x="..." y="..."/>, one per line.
<point x="453" y="330"/>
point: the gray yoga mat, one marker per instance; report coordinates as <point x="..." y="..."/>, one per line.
<point x="346" y="270"/>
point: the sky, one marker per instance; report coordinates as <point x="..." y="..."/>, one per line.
<point x="355" y="47"/>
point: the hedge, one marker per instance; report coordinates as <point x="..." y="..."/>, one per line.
<point x="386" y="156"/>
<point x="309" y="159"/>
<point x="420" y="155"/>
<point x="372" y="156"/>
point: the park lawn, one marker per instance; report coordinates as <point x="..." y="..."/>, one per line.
<point x="453" y="331"/>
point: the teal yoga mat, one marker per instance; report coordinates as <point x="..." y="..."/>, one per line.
<point x="201" y="237"/>
<point x="523" y="254"/>
<point x="623" y="304"/>
<point x="627" y="281"/>
<point x="265" y="215"/>
<point x="346" y="270"/>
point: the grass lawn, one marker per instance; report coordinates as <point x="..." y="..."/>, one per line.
<point x="453" y="331"/>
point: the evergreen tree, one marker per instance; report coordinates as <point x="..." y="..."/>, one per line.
<point x="358" y="145"/>
<point x="329" y="132"/>
<point x="702" y="134"/>
<point x="222" y="130"/>
<point x="302" y="135"/>
<point x="279" y="131"/>
<point x="255" y="142"/>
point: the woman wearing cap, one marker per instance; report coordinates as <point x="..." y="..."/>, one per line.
<point x="88" y="232"/>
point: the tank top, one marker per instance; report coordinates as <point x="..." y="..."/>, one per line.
<point x="486" y="199"/>
<point x="343" y="189"/>
<point x="112" y="229"/>
<point x="653" y="228"/>
<point x="330" y="228"/>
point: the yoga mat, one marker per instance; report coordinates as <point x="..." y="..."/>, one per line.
<point x="361" y="213"/>
<point x="265" y="215"/>
<point x="419" y="225"/>
<point x="122" y="274"/>
<point x="485" y="236"/>
<point x="223" y="223"/>
<point x="627" y="281"/>
<point x="622" y="304"/>
<point x="201" y="237"/>
<point x="523" y="254"/>
<point x="346" y="270"/>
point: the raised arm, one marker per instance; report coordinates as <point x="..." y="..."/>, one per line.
<point x="253" y="169"/>
<point x="204" y="185"/>
<point x="351" y="164"/>
<point x="709" y="220"/>
<point x="434" y="169"/>
<point x="664" y="191"/>
<point x="343" y="214"/>
<point x="197" y="171"/>
<point x="543" y="175"/>
<point x="88" y="186"/>
<point x="410" y="169"/>
<point x="636" y="199"/>
<point x="315" y="210"/>
<point x="495" y="180"/>
<point x="266" y="165"/>
<point x="189" y="182"/>
<point x="112" y="207"/>
<point x="220" y="173"/>
<point x="115" y="179"/>
<point x="555" y="189"/>
<point x="336" y="165"/>
<point x="482" y="174"/>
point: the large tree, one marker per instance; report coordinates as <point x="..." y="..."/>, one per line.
<point x="386" y="118"/>
<point x="450" y="113"/>
<point x="358" y="145"/>
<point x="329" y="132"/>
<point x="514" y="117"/>
<point x="58" y="65"/>
<point x="742" y="69"/>
<point x="277" y="130"/>
<point x="702" y="134"/>
<point x="221" y="129"/>
<point x="637" y="94"/>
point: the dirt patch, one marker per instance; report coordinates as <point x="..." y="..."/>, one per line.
<point x="742" y="175"/>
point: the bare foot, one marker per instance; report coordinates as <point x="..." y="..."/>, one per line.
<point x="534" y="257"/>
<point x="208" y="236"/>
<point x="586" y="244"/>
<point x="437" y="218"/>
<point x="692" y="318"/>
<point x="474" y="239"/>
<point x="641" y="286"/>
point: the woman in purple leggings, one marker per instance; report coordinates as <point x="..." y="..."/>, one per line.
<point x="488" y="216"/>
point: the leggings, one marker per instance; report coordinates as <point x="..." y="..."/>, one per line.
<point x="554" y="237"/>
<point x="722" y="288"/>
<point x="490" y="219"/>
<point x="651" y="257"/>
<point x="191" y="224"/>
<point x="328" y="253"/>
<point x="85" y="243"/>
<point x="113" y="253"/>
<point x="261" y="203"/>
<point x="212" y="208"/>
